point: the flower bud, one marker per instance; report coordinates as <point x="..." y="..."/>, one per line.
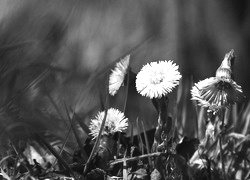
<point x="224" y="71"/>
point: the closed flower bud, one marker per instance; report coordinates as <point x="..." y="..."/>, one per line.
<point x="224" y="71"/>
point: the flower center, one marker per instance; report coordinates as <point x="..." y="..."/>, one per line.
<point x="222" y="85"/>
<point x="156" y="78"/>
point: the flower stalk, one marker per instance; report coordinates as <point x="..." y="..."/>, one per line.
<point x="164" y="124"/>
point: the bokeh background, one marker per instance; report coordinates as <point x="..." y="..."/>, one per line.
<point x="49" y="50"/>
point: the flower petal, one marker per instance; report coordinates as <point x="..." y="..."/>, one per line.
<point x="117" y="76"/>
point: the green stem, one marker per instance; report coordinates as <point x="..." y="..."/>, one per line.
<point x="222" y="159"/>
<point x="223" y="119"/>
<point x="220" y="144"/>
<point x="147" y="146"/>
<point x="126" y="92"/>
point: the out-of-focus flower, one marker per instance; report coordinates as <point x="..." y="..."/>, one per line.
<point x="96" y="174"/>
<point x="157" y="79"/>
<point x="140" y="174"/>
<point x="199" y="164"/>
<point x="115" y="122"/>
<point x="218" y="92"/>
<point x="155" y="175"/>
<point x="117" y="75"/>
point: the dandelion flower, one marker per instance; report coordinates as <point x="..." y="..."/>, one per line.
<point x="117" y="75"/>
<point x="157" y="79"/>
<point x="115" y="122"/>
<point x="220" y="91"/>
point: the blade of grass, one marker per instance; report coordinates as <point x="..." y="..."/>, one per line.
<point x="57" y="109"/>
<point x="235" y="114"/>
<point x="184" y="116"/>
<point x="53" y="151"/>
<point x="245" y="120"/>
<point x="102" y="103"/>
<point x="127" y="88"/>
<point x="66" y="138"/>
<point x="141" y="145"/>
<point x="201" y="130"/>
<point x="64" y="143"/>
<point x="222" y="159"/>
<point x="78" y="119"/>
<point x="176" y="107"/>
<point x="147" y="146"/>
<point x="246" y="125"/>
<point x="145" y="137"/>
<point x="5" y="158"/>
<point x="179" y="92"/>
<point x="101" y="129"/>
<point x="78" y="139"/>
<point x="82" y="124"/>
<point x="196" y="111"/>
<point x="131" y="140"/>
<point x="36" y="81"/>
<point x="16" y="45"/>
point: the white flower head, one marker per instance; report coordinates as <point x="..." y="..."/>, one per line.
<point x="215" y="93"/>
<point x="117" y="75"/>
<point x="220" y="91"/>
<point x="115" y="122"/>
<point x="157" y="79"/>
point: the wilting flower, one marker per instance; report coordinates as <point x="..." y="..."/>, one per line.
<point x="219" y="91"/>
<point x="115" y="122"/>
<point x="157" y="79"/>
<point x="117" y="76"/>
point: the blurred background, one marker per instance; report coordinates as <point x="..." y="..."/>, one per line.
<point x="49" y="50"/>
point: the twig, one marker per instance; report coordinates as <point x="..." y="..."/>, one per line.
<point x="137" y="157"/>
